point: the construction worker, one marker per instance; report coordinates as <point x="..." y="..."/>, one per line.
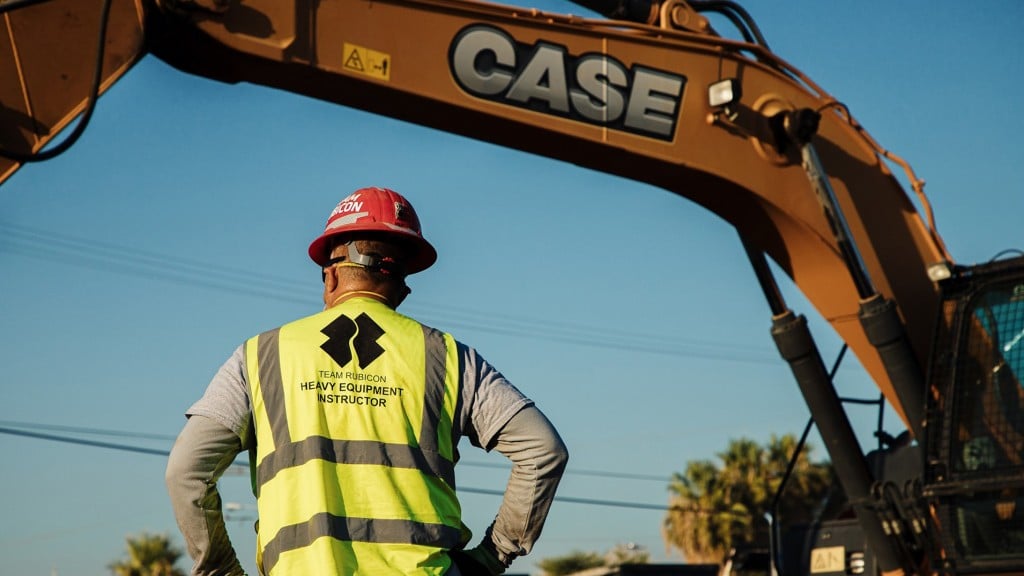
<point x="352" y="418"/>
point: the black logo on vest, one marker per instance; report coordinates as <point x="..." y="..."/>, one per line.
<point x="340" y="333"/>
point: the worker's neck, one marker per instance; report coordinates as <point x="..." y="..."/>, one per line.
<point x="346" y="294"/>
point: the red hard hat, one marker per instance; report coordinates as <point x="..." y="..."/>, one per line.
<point x="376" y="210"/>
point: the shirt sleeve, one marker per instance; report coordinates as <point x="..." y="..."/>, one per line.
<point x="202" y="452"/>
<point x="226" y="400"/>
<point x="497" y="415"/>
<point x="539" y="458"/>
<point x="488" y="399"/>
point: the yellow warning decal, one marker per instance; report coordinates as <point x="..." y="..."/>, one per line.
<point x="368" y="62"/>
<point x="828" y="559"/>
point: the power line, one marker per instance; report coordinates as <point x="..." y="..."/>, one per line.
<point x="582" y="472"/>
<point x="82" y="430"/>
<point x="169" y="437"/>
<point x="133" y="261"/>
<point x="158" y="452"/>
<point x="94" y="443"/>
<point x="588" y="501"/>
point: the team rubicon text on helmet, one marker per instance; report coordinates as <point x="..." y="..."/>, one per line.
<point x="376" y="210"/>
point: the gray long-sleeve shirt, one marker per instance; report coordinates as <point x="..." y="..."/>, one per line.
<point x="494" y="415"/>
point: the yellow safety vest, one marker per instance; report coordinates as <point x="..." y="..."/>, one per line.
<point x="353" y="410"/>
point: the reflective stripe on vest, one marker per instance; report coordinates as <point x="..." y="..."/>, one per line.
<point x="429" y="456"/>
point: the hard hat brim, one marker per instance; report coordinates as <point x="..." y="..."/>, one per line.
<point x="423" y="255"/>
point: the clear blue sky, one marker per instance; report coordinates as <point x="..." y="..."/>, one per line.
<point x="177" y="227"/>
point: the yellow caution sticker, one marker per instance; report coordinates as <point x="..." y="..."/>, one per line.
<point x="828" y="559"/>
<point x="367" y="62"/>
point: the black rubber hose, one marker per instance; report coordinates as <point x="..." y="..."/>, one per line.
<point x="732" y="11"/>
<point x="93" y="94"/>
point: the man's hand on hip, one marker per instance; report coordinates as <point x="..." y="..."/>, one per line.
<point x="479" y="561"/>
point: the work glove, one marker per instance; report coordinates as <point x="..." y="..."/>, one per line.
<point x="479" y="561"/>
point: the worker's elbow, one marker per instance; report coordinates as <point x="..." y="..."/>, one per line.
<point x="176" y="470"/>
<point x="557" y="456"/>
<point x="182" y="474"/>
<point x="561" y="455"/>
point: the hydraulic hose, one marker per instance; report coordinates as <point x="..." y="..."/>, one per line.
<point x="94" y="91"/>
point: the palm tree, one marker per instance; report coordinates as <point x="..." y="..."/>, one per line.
<point x="699" y="520"/>
<point x="714" y="509"/>
<point x="148" y="555"/>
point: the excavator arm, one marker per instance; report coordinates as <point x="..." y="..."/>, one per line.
<point x="623" y="98"/>
<point x="653" y="94"/>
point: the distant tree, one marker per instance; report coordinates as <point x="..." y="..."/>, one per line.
<point x="148" y="555"/>
<point x="713" y="509"/>
<point x="626" y="554"/>
<point x="577" y="561"/>
<point x="573" y="562"/>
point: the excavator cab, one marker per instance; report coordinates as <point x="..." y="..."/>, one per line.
<point x="975" y="419"/>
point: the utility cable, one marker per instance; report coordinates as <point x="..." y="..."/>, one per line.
<point x="466" y="489"/>
<point x="82" y="430"/>
<point x="588" y="501"/>
<point x="16" y="427"/>
<point x="55" y="438"/>
<point x="110" y="257"/>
